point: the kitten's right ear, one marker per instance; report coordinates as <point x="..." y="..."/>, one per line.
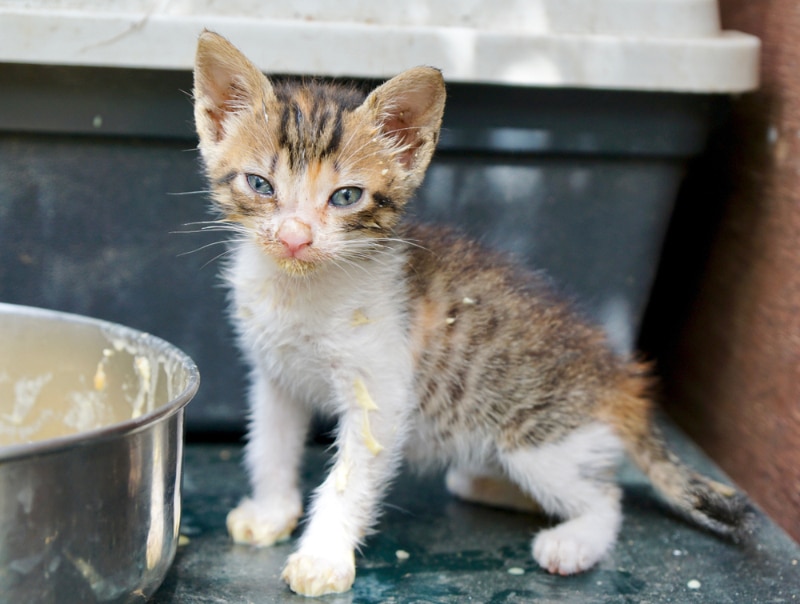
<point x="225" y="83"/>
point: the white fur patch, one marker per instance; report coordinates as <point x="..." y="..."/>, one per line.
<point x="311" y="347"/>
<point x="570" y="479"/>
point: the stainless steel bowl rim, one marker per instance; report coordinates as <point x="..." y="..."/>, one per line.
<point x="118" y="429"/>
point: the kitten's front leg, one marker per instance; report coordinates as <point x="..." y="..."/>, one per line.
<point x="275" y="445"/>
<point x="369" y="444"/>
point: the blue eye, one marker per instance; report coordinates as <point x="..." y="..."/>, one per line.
<point x="346" y="196"/>
<point x="260" y="185"/>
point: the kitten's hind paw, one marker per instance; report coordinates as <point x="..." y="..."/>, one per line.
<point x="571" y="547"/>
<point x="310" y="575"/>
<point x="262" y="525"/>
<point x="494" y="491"/>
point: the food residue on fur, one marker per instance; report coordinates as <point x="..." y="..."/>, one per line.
<point x="364" y="400"/>
<point x="359" y="318"/>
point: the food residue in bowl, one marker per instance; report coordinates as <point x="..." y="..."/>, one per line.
<point x="26" y="393"/>
<point x="128" y="381"/>
<point x="145" y="394"/>
<point x="100" y="376"/>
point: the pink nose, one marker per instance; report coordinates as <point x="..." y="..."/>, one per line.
<point x="295" y="235"/>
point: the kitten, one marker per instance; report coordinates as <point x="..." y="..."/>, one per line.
<point x="419" y="342"/>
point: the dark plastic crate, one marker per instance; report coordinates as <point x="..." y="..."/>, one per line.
<point x="579" y="183"/>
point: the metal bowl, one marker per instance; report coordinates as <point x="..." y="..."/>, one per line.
<point x="91" y="447"/>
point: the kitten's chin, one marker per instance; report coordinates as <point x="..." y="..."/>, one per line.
<point x="297" y="267"/>
<point x="300" y="264"/>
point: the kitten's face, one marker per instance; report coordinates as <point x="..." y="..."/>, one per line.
<point x="308" y="177"/>
<point x="314" y="173"/>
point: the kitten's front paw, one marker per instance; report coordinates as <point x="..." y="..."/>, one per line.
<point x="311" y="575"/>
<point x="565" y="550"/>
<point x="262" y="524"/>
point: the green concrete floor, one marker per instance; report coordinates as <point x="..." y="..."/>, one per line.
<point x="465" y="553"/>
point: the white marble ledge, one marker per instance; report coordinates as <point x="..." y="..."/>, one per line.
<point x="535" y="43"/>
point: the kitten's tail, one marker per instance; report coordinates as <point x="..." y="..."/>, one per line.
<point x="711" y="504"/>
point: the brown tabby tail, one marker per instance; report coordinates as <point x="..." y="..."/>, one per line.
<point x="711" y="504"/>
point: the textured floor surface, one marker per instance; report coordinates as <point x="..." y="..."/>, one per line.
<point x="457" y="552"/>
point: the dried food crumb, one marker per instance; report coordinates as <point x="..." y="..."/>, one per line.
<point x="402" y="554"/>
<point x="694" y="584"/>
<point x="359" y="318"/>
<point x="516" y="570"/>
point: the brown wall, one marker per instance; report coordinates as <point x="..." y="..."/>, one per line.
<point x="734" y="382"/>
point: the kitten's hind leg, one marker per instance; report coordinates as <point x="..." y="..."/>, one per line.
<point x="572" y="479"/>
<point x="491" y="488"/>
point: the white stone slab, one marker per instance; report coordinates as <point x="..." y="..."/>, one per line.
<point x="673" y="45"/>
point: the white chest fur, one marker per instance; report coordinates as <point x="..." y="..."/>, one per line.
<point x="316" y="332"/>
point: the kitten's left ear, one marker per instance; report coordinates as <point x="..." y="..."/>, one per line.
<point x="408" y="110"/>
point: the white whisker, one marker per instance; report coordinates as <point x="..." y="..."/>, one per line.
<point x="218" y="257"/>
<point x="212" y="244"/>
<point x="215" y="226"/>
<point x="182" y="193"/>
<point x="213" y="222"/>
